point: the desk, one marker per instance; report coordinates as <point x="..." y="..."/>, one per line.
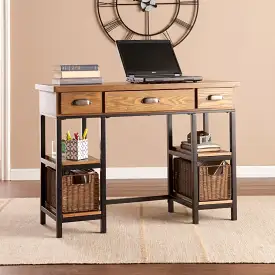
<point x="123" y="99"/>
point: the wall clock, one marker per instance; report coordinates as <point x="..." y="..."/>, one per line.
<point x="147" y="19"/>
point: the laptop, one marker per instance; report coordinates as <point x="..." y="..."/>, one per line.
<point x="151" y="61"/>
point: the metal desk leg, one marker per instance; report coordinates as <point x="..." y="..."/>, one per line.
<point x="103" y="224"/>
<point x="83" y="124"/>
<point x="206" y="122"/>
<point x="42" y="168"/>
<point x="58" y="179"/>
<point x="232" y="126"/>
<point x="194" y="164"/>
<point x="170" y="162"/>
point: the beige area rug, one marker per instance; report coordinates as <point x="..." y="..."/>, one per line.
<point x="141" y="233"/>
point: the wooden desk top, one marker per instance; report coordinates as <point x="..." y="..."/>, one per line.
<point x="124" y="86"/>
<point x="122" y="97"/>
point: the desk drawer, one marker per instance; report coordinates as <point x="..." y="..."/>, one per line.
<point x="149" y="101"/>
<point x="215" y="98"/>
<point x="81" y="103"/>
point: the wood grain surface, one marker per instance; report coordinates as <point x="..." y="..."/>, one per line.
<point x="142" y="269"/>
<point x="137" y="187"/>
<point x="124" y="86"/>
<point x="120" y="102"/>
<point x="66" y="162"/>
<point x="94" y="108"/>
<point x="204" y="101"/>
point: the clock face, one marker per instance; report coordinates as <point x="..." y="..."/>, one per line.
<point x="147" y="19"/>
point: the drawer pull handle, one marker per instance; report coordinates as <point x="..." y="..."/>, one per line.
<point x="215" y="97"/>
<point x="150" y="100"/>
<point x="81" y="102"/>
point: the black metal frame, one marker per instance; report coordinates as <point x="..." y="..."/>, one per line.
<point x="57" y="165"/>
<point x="232" y="129"/>
<point x="43" y="189"/>
<point x="103" y="226"/>
<point x="118" y="20"/>
<point x="171" y="197"/>
<point x="195" y="203"/>
<point x="170" y="163"/>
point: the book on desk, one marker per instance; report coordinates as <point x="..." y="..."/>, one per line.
<point x="74" y="74"/>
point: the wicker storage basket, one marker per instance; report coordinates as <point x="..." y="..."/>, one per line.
<point x="214" y="179"/>
<point x="80" y="191"/>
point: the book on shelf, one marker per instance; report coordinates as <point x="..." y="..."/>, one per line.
<point x="77" y="81"/>
<point x="76" y="67"/>
<point x="202" y="147"/>
<point x="205" y="153"/>
<point x="75" y="74"/>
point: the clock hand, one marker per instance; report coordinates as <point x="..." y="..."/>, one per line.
<point x="152" y="3"/>
<point x="147" y="3"/>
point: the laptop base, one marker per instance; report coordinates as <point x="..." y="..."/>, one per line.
<point x="155" y="80"/>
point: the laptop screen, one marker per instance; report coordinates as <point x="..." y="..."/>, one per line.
<point x="149" y="57"/>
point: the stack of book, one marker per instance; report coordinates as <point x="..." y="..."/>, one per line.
<point x="203" y="149"/>
<point x="76" y="74"/>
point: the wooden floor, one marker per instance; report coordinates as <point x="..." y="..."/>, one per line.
<point x="142" y="269"/>
<point x="246" y="187"/>
<point x="125" y="188"/>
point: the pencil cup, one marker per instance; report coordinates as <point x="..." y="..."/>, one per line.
<point x="77" y="149"/>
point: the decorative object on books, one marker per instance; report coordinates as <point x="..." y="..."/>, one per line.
<point x="202" y="137"/>
<point x="75" y="74"/>
<point x="178" y="19"/>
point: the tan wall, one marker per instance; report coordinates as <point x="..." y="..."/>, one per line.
<point x="232" y="40"/>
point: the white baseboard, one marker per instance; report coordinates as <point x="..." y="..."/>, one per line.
<point x="149" y="173"/>
<point x="25" y="174"/>
<point x="255" y="171"/>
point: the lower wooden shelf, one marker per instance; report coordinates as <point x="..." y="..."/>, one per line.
<point x="72" y="217"/>
<point x="215" y="202"/>
<point x="81" y="214"/>
<point x="202" y="204"/>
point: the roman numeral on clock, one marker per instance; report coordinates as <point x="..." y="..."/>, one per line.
<point x="167" y="36"/>
<point x="183" y="23"/>
<point x="147" y="28"/>
<point x="106" y="4"/>
<point x="189" y="2"/>
<point x="129" y="35"/>
<point x="112" y="25"/>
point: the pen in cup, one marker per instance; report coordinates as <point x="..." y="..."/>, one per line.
<point x="68" y="136"/>
<point x="85" y="134"/>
